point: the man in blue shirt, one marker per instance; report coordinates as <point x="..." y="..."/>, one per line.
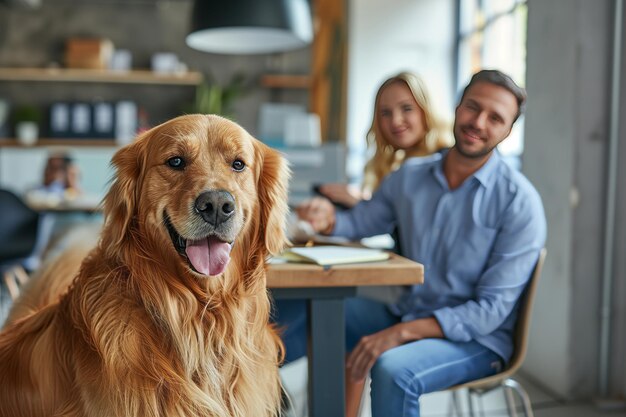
<point x="477" y="225"/>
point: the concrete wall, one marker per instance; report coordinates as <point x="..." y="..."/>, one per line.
<point x="567" y="125"/>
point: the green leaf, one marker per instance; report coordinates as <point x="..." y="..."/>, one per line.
<point x="212" y="98"/>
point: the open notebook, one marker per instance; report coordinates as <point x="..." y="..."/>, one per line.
<point x="333" y="255"/>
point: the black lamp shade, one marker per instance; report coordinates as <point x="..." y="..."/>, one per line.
<point x="250" y="26"/>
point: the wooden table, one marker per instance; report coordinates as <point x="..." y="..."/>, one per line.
<point x="325" y="289"/>
<point x="87" y="205"/>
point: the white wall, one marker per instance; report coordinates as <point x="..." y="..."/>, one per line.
<point x="386" y="37"/>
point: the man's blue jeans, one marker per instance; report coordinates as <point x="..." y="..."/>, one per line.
<point x="400" y="375"/>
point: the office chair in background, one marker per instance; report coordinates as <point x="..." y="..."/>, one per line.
<point x="19" y="239"/>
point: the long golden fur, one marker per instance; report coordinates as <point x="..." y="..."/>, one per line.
<point x="140" y="331"/>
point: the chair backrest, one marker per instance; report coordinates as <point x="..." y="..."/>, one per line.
<point x="520" y="338"/>
<point x="19" y="226"/>
<point x="522" y="327"/>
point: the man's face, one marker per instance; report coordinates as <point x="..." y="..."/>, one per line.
<point x="483" y="119"/>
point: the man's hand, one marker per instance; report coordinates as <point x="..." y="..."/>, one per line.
<point x="345" y="194"/>
<point x="319" y="212"/>
<point x="369" y="348"/>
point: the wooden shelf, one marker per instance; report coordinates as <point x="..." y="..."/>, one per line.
<point x="286" y="81"/>
<point x="102" y="76"/>
<point x="45" y="142"/>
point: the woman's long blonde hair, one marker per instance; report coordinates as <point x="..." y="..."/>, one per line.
<point x="386" y="158"/>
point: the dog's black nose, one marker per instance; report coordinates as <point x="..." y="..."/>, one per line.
<point x="215" y="207"/>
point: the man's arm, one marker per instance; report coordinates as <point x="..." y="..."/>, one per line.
<point x="511" y="261"/>
<point x="368" y="218"/>
<point x="371" y="347"/>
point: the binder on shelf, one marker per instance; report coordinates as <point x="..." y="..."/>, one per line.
<point x="80" y="120"/>
<point x="126" y="114"/>
<point x="60" y="120"/>
<point x="103" y="120"/>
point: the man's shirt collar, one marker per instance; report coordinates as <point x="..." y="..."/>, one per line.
<point x="485" y="175"/>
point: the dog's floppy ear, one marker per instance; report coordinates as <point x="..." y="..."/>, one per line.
<point x="120" y="202"/>
<point x="272" y="184"/>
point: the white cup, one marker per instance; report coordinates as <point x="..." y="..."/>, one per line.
<point x="27" y="133"/>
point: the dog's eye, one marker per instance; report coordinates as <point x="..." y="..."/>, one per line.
<point x="176" y="162"/>
<point x="238" y="165"/>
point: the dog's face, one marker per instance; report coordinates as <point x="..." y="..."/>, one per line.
<point x="199" y="184"/>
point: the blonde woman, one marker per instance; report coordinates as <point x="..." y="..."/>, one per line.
<point x="404" y="125"/>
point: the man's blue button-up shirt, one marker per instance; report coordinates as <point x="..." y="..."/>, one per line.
<point x="478" y="243"/>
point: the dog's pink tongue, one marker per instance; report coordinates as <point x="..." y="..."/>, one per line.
<point x="209" y="256"/>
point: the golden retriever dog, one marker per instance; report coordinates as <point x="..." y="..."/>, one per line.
<point x="169" y="313"/>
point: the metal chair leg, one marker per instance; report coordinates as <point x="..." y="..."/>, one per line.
<point x="21" y="275"/>
<point x="510" y="401"/>
<point x="519" y="389"/>
<point x="470" y="403"/>
<point x="471" y="393"/>
<point x="15" y="278"/>
<point x="481" y="405"/>
<point x="454" y="409"/>
<point x="11" y="283"/>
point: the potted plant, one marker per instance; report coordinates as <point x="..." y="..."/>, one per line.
<point x="212" y="98"/>
<point x="26" y="120"/>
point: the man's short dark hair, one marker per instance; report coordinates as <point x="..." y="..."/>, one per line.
<point x="501" y="79"/>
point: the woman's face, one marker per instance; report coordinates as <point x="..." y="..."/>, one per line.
<point x="401" y="120"/>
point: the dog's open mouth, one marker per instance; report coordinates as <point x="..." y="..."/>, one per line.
<point x="206" y="256"/>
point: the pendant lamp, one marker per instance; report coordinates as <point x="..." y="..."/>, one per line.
<point x="250" y="26"/>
